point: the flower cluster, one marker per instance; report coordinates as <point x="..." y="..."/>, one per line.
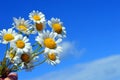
<point x="20" y="53"/>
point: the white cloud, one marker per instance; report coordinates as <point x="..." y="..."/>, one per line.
<point x="72" y="48"/>
<point x="103" y="69"/>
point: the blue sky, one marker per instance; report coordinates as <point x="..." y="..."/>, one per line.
<point x="93" y="34"/>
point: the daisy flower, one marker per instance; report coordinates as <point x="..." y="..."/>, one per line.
<point x="39" y="27"/>
<point x="47" y="40"/>
<point x="22" y="25"/>
<point x="37" y="17"/>
<point x="21" y="44"/>
<point x="52" y="58"/>
<point x="7" y="35"/>
<point x="26" y="59"/>
<point x="11" y="55"/>
<point x="57" y="26"/>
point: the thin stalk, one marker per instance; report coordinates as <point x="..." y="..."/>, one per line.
<point x="4" y="59"/>
<point x="37" y="50"/>
<point x="34" y="44"/>
<point x="6" y="50"/>
<point x="39" y="53"/>
<point x="41" y="62"/>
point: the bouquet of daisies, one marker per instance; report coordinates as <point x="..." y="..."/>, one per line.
<point x="27" y="40"/>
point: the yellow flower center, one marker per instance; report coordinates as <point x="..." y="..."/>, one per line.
<point x="22" y="27"/>
<point x="20" y="44"/>
<point x="36" y="17"/>
<point x="50" y="43"/>
<point x="25" y="58"/>
<point x="57" y="28"/>
<point x="39" y="26"/>
<point x="8" y="37"/>
<point x="52" y="56"/>
<point x="11" y="54"/>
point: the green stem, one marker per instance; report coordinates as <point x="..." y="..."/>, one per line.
<point x="4" y="59"/>
<point x="15" y="66"/>
<point x="6" y="50"/>
<point x="41" y="62"/>
<point x="19" y="32"/>
<point x="37" y="50"/>
<point x="39" y="53"/>
<point x="34" y="44"/>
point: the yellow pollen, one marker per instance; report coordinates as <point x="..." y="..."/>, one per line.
<point x="39" y="26"/>
<point x="57" y="28"/>
<point x="25" y="58"/>
<point x="11" y="54"/>
<point x="50" y="43"/>
<point x="52" y="56"/>
<point x="20" y="44"/>
<point x="8" y="37"/>
<point x="22" y="27"/>
<point x="36" y="17"/>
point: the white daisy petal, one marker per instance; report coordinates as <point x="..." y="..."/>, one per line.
<point x="37" y="16"/>
<point x="21" y="44"/>
<point x="57" y="26"/>
<point x="48" y="41"/>
<point x="52" y="58"/>
<point x="22" y="25"/>
<point x="7" y="35"/>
